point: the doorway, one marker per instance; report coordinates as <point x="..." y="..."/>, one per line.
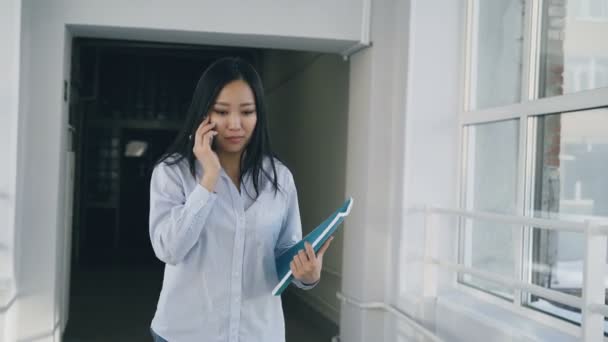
<point x="128" y="102"/>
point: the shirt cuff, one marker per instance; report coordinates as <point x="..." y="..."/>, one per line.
<point x="304" y="286"/>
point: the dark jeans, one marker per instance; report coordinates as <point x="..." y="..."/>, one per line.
<point x="156" y="337"/>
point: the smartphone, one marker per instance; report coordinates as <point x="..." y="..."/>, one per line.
<point x="213" y="141"/>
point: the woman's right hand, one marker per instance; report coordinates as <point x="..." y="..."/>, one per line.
<point x="205" y="155"/>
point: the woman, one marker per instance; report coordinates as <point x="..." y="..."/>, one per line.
<point x="222" y="207"/>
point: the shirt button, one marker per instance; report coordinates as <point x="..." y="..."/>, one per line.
<point x="236" y="274"/>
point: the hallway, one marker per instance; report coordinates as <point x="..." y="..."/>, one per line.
<point x="135" y="94"/>
<point x="117" y="305"/>
<point x="471" y="134"/>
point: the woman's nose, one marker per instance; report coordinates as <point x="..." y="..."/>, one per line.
<point x="234" y="121"/>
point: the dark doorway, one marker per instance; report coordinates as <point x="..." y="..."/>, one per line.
<point x="128" y="101"/>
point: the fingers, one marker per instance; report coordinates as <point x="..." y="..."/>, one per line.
<point x="204" y="128"/>
<point x="294" y="270"/>
<point x="309" y="251"/>
<point x="200" y="127"/>
<point x="208" y="138"/>
<point x="204" y="134"/>
<point x="300" y="264"/>
<point x="325" y="246"/>
<point x="300" y="260"/>
<point x="296" y="267"/>
<point x="305" y="264"/>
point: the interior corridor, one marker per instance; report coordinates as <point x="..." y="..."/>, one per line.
<point x="471" y="134"/>
<point x="129" y="102"/>
<point x="117" y="304"/>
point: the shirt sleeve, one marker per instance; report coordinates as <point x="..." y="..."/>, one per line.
<point x="291" y="231"/>
<point x="176" y="218"/>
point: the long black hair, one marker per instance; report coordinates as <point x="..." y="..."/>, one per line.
<point x="212" y="81"/>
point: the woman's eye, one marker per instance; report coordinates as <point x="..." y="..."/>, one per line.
<point x="221" y="112"/>
<point x="249" y="112"/>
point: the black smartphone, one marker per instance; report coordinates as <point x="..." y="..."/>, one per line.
<point x="213" y="141"/>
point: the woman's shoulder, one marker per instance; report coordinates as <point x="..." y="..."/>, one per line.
<point x="284" y="175"/>
<point x="173" y="164"/>
<point x="281" y="168"/>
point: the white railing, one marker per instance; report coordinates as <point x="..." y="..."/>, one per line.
<point x="6" y="295"/>
<point x="419" y="328"/>
<point x="7" y="298"/>
<point x="591" y="303"/>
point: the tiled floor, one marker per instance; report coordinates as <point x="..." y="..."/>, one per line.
<point x="116" y="305"/>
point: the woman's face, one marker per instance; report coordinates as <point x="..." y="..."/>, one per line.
<point x="234" y="114"/>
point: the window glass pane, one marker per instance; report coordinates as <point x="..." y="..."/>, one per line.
<point x="497" y="53"/>
<point x="491" y="186"/>
<point x="574" y="51"/>
<point x="570" y="183"/>
<point x="593" y="10"/>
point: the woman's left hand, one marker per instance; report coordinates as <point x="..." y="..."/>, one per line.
<point x="306" y="266"/>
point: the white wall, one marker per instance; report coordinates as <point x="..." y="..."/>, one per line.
<point x="317" y="25"/>
<point x="47" y="28"/>
<point x="432" y="110"/>
<point x="432" y="160"/>
<point x="10" y="29"/>
<point x="308" y="103"/>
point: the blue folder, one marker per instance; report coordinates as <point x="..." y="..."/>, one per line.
<point x="316" y="238"/>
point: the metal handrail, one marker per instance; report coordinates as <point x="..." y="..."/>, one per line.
<point x="512" y="284"/>
<point x="598" y="226"/>
<point x="391" y="309"/>
<point x="595" y="232"/>
<point x="7" y="303"/>
<point x="599" y="308"/>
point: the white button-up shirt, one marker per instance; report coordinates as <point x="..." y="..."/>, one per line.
<point x="219" y="250"/>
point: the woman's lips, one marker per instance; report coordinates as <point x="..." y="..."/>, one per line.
<point x="234" y="140"/>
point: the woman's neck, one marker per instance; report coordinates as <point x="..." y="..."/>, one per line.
<point x="231" y="163"/>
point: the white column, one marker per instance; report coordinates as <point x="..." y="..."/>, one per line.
<point x="375" y="154"/>
<point x="10" y="28"/>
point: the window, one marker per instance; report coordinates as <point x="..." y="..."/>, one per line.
<point x="491" y="158"/>
<point x="570" y="168"/>
<point x="497" y="52"/>
<point x="572" y="56"/>
<point x="591" y="9"/>
<point x="535" y="142"/>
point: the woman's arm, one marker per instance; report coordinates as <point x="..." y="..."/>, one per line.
<point x="291" y="231"/>
<point x="176" y="219"/>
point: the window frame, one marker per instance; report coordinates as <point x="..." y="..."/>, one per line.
<point x="530" y="107"/>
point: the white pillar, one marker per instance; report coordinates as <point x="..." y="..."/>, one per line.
<point x="375" y="154"/>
